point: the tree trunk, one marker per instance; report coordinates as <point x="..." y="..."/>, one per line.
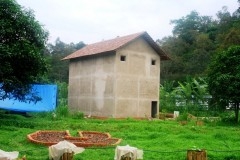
<point x="236" y="112"/>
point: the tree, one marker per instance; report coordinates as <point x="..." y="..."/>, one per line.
<point x="58" y="69"/>
<point x="188" y="27"/>
<point x="190" y="47"/>
<point x="174" y="68"/>
<point x="22" y="41"/>
<point x="224" y="78"/>
<point x="228" y="31"/>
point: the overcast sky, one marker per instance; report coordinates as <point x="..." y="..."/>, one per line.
<point x="96" y="20"/>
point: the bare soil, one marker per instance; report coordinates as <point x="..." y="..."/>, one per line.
<point x="85" y="139"/>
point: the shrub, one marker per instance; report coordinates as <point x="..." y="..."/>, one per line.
<point x="62" y="111"/>
<point x="62" y="93"/>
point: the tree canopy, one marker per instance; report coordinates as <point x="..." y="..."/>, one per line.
<point x="22" y="41"/>
<point x="195" y="40"/>
<point x="224" y="77"/>
<point x="58" y="69"/>
<point x="205" y="47"/>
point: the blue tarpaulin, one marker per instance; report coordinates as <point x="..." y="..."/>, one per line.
<point x="47" y="93"/>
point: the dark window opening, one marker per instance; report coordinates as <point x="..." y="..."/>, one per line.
<point x="154" y="109"/>
<point x="123" y="58"/>
<point x="153" y="62"/>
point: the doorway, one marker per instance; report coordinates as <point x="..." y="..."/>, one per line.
<point x="154" y="109"/>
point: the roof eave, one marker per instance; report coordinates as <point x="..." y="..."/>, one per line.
<point x="97" y="54"/>
<point x="153" y="44"/>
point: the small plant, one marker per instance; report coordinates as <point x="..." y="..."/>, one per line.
<point x="183" y="117"/>
<point x="162" y="116"/>
<point x="227" y="117"/>
<point x="78" y="115"/>
<point x="62" y="111"/>
<point x="62" y="93"/>
<point x="195" y="148"/>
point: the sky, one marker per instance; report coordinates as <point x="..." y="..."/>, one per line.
<point x="92" y="21"/>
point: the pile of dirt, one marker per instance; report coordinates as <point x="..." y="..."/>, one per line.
<point x="85" y="139"/>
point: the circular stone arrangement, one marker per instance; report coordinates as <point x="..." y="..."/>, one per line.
<point x="85" y="139"/>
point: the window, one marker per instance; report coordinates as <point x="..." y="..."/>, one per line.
<point x="153" y="62"/>
<point x="123" y="58"/>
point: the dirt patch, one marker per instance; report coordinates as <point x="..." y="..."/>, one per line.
<point x="85" y="139"/>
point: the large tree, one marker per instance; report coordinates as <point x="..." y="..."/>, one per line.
<point x="58" y="69"/>
<point x="22" y="41"/>
<point x="195" y="40"/>
<point x="224" y="78"/>
<point x="190" y="47"/>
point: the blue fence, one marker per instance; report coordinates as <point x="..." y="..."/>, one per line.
<point x="47" y="93"/>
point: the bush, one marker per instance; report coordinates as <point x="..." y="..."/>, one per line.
<point x="189" y="96"/>
<point x="62" y="93"/>
<point x="167" y="97"/>
<point x="62" y="111"/>
<point x="183" y="117"/>
<point x="78" y="115"/>
<point x="227" y="117"/>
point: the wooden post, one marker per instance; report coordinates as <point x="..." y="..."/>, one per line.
<point x="196" y="155"/>
<point x="67" y="156"/>
<point x="127" y="156"/>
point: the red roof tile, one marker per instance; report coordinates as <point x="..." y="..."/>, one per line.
<point x="114" y="44"/>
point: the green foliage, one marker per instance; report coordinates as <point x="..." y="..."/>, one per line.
<point x="58" y="69"/>
<point x="78" y="115"/>
<point x="183" y="116"/>
<point x="22" y="40"/>
<point x="190" y="47"/>
<point x="62" y="93"/>
<point x="188" y="96"/>
<point x="189" y="26"/>
<point x="62" y="108"/>
<point x="196" y="39"/>
<point x="62" y="111"/>
<point x="224" y="77"/>
<point x="167" y="97"/>
<point x="194" y="42"/>
<point x="228" y="117"/>
<point x="185" y="91"/>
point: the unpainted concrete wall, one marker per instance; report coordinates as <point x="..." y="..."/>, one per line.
<point x="137" y="80"/>
<point x="91" y="82"/>
<point x="105" y="86"/>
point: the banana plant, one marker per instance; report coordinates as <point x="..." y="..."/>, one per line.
<point x="185" y="91"/>
<point x="200" y="89"/>
<point x="188" y="94"/>
<point x="167" y="96"/>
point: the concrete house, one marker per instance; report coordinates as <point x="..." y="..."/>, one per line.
<point x="116" y="78"/>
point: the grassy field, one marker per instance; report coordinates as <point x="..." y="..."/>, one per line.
<point x="159" y="139"/>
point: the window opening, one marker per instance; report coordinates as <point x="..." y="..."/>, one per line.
<point x="153" y="62"/>
<point x="123" y="58"/>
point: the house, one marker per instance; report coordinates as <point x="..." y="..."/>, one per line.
<point x="116" y="78"/>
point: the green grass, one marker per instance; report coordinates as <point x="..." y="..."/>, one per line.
<point x="165" y="140"/>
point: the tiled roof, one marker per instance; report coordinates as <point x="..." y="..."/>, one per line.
<point x="114" y="44"/>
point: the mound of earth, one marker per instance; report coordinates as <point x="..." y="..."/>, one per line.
<point x="85" y="138"/>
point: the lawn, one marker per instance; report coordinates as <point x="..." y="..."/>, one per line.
<point x="159" y="139"/>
